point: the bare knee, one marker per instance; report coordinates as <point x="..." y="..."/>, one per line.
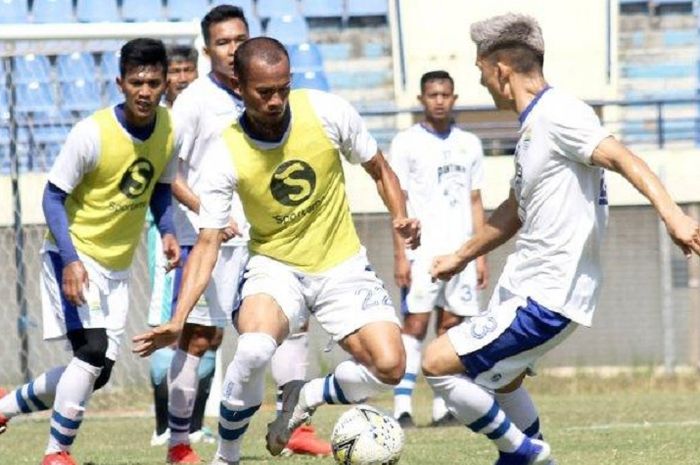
<point x="390" y="368"/>
<point x="416" y="325"/>
<point x="440" y="359"/>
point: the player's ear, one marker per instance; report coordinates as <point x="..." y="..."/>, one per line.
<point x="455" y="97"/>
<point x="120" y="84"/>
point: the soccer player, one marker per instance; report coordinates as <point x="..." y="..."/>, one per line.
<point x="113" y="166"/>
<point x="441" y="172"/>
<point x="558" y="205"/>
<point x="182" y="70"/>
<point x="283" y="158"/>
<point x="208" y="105"/>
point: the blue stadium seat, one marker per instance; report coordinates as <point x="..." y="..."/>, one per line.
<point x="50" y="133"/>
<point x="288" y="29"/>
<point x="337" y="51"/>
<point x="367" y="8"/>
<point x="13" y="11"/>
<point x="4" y="109"/>
<point x="53" y="11"/>
<point x="187" y="10"/>
<point x="322" y="8"/>
<point x="310" y="80"/>
<point x="114" y="95"/>
<point x="142" y="10"/>
<point x="76" y="66"/>
<point x="246" y="6"/>
<point x="305" y="57"/>
<point x="80" y="96"/>
<point x="109" y="65"/>
<point x="34" y="97"/>
<point x="30" y="67"/>
<point x="254" y="26"/>
<point x="97" y="11"/>
<point x="272" y="8"/>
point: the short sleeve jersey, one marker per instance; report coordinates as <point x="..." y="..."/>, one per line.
<point x="562" y="203"/>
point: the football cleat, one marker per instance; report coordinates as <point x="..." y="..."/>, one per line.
<point x="530" y="452"/>
<point x="59" y="458"/>
<point x="405" y="421"/>
<point x="304" y="441"/>
<point x="446" y="420"/>
<point x="182" y="453"/>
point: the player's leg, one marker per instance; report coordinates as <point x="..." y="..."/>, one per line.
<point x="440" y="414"/>
<point x="205" y="373"/>
<point x="273" y="304"/>
<point x="160" y="363"/>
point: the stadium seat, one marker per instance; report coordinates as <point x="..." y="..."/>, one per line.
<point x="336" y="51"/>
<point x="246" y="6"/>
<point x="254" y="26"/>
<point x="13" y="11"/>
<point x="310" y="80"/>
<point x="367" y="8"/>
<point x="305" y="57"/>
<point x="80" y="95"/>
<point x="97" y="11"/>
<point x="114" y="95"/>
<point x="142" y="10"/>
<point x="109" y="66"/>
<point x="288" y="29"/>
<point x="187" y="10"/>
<point x="272" y="8"/>
<point x="4" y="109"/>
<point x="76" y="66"/>
<point x="53" y="11"/>
<point x="322" y="8"/>
<point x="33" y="97"/>
<point x="30" y="67"/>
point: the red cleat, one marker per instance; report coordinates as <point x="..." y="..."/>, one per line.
<point x="182" y="453"/>
<point x="304" y="441"/>
<point x="59" y="458"/>
<point x="3" y="419"/>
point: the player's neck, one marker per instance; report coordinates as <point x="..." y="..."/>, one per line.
<point x="525" y="89"/>
<point x="264" y="131"/>
<point x="223" y="80"/>
<point x="438" y="126"/>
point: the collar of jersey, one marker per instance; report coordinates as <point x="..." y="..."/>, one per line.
<point x="439" y="135"/>
<point x="234" y="95"/>
<point x="523" y="116"/>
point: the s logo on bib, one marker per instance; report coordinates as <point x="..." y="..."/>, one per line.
<point x="137" y="178"/>
<point x="293" y="182"/>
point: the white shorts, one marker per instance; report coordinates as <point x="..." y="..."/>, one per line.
<point x="343" y="299"/>
<point x="458" y="295"/>
<point x="499" y="345"/>
<point x="220" y="297"/>
<point x="106" y="307"/>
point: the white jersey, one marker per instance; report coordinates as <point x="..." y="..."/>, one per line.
<point x="562" y="203"/>
<point x="439" y="174"/>
<point x="200" y="112"/>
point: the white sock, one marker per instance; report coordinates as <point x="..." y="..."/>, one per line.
<point x="521" y="410"/>
<point x="72" y="393"/>
<point x="35" y="396"/>
<point x="404" y="391"/>
<point x="182" y="391"/>
<point x="350" y="383"/>
<point x="243" y="391"/>
<point x="290" y="362"/>
<point x="439" y="407"/>
<point x="478" y="410"/>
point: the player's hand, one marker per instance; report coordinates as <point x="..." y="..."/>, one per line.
<point x="231" y="231"/>
<point x="161" y="336"/>
<point x="482" y="273"/>
<point x="171" y="250"/>
<point x="402" y="272"/>
<point x="409" y="230"/>
<point x="685" y="232"/>
<point x="446" y="266"/>
<point x="75" y="281"/>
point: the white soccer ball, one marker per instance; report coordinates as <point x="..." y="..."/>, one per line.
<point x="366" y="436"/>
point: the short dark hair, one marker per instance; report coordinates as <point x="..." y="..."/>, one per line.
<point x="270" y="50"/>
<point x="182" y="53"/>
<point x="437" y="75"/>
<point x="521" y="58"/>
<point x="219" y="14"/>
<point x="143" y="52"/>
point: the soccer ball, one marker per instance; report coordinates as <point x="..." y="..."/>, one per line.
<point x="366" y="436"/>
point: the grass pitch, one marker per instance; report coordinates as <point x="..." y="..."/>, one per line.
<point x="636" y="419"/>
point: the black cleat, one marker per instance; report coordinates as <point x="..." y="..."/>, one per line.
<point x="405" y="421"/>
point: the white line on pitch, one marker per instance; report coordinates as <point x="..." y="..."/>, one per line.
<point x="644" y="424"/>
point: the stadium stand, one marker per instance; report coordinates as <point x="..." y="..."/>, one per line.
<point x="13" y="11"/>
<point x="142" y="10"/>
<point x="271" y="8"/>
<point x="305" y="57"/>
<point x="288" y="29"/>
<point x="310" y="80"/>
<point x="246" y="5"/>
<point x="186" y="10"/>
<point x="80" y="95"/>
<point x="53" y="11"/>
<point x="97" y="11"/>
<point x="31" y="67"/>
<point x="76" y="66"/>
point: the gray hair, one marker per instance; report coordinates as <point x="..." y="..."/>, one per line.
<point x="506" y="31"/>
<point x="182" y="53"/>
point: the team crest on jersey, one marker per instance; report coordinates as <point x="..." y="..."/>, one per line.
<point x="137" y="178"/>
<point x="293" y="182"/>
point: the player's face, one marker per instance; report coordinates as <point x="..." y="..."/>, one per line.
<point x="143" y="87"/>
<point x="180" y="74"/>
<point x="265" y="92"/>
<point x="438" y="98"/>
<point x="224" y="39"/>
<point x="490" y="79"/>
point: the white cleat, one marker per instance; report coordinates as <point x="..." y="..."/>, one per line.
<point x="220" y="461"/>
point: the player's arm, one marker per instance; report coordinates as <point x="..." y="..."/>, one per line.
<point x="161" y="208"/>
<point x="684" y="230"/>
<point x="400" y="166"/>
<point x="503" y="224"/>
<point x="478" y="220"/>
<point x="183" y="193"/>
<point x="390" y="191"/>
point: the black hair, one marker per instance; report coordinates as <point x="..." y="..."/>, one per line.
<point x="435" y="76"/>
<point x="220" y="14"/>
<point x="143" y="52"/>
<point x="182" y="53"/>
<point x="270" y="50"/>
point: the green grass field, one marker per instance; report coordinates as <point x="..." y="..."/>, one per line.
<point x="624" y="420"/>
